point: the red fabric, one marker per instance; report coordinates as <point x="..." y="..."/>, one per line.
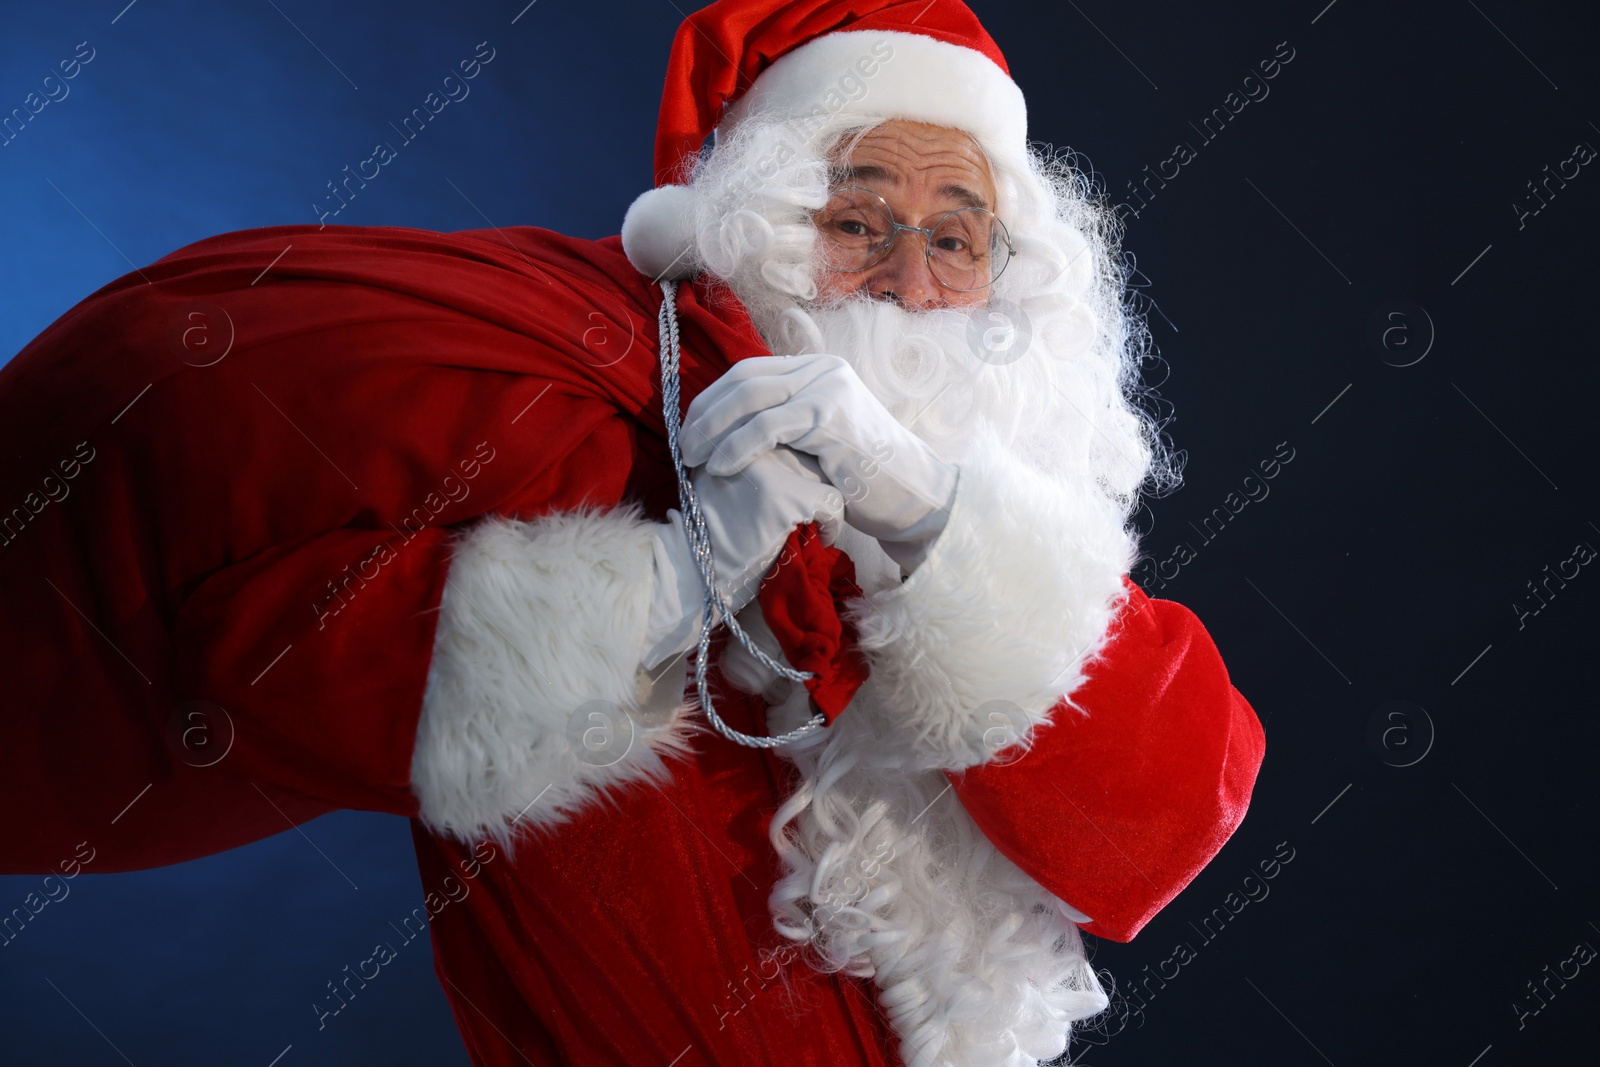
<point x="1115" y="812"/>
<point x="382" y="385"/>
<point x="235" y="511"/>
<point x="720" y="49"/>
<point x="641" y="935"/>
<point x="237" y="474"/>
<point x="803" y="600"/>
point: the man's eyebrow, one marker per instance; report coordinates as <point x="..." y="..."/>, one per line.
<point x="963" y="195"/>
<point x="869" y="172"/>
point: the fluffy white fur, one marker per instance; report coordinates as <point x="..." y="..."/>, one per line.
<point x="1010" y="605"/>
<point x="537" y="620"/>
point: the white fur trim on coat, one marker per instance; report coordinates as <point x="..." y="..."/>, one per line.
<point x="535" y="704"/>
<point x="1003" y="616"/>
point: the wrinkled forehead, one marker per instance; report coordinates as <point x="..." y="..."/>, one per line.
<point x="916" y="160"/>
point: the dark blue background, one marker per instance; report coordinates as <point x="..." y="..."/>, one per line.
<point x="1383" y="566"/>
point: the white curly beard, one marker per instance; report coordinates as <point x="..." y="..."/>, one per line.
<point x="886" y="876"/>
<point x="925" y="367"/>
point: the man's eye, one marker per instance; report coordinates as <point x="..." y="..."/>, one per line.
<point x="851" y="227"/>
<point x="951" y="244"/>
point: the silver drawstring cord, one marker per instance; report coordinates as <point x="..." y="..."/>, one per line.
<point x="694" y="522"/>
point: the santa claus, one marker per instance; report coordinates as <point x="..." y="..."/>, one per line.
<point x="415" y="522"/>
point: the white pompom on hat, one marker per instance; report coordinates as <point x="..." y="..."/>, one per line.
<point x="658" y="233"/>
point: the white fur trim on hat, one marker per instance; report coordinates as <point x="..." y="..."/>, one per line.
<point x="658" y="233"/>
<point x="886" y="74"/>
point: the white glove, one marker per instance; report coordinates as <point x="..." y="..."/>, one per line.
<point x="896" y="487"/>
<point x="749" y="516"/>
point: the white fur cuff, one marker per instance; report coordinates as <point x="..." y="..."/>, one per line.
<point x="535" y="702"/>
<point x="1004" y="615"/>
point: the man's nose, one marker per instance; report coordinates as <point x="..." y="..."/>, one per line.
<point x="905" y="273"/>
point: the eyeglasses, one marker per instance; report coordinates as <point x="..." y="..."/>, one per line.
<point x="965" y="249"/>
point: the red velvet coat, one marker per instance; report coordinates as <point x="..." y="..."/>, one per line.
<point x="202" y="453"/>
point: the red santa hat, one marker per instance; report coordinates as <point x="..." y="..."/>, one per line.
<point x="922" y="60"/>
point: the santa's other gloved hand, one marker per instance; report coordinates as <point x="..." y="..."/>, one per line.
<point x="749" y="516"/>
<point x="896" y="487"/>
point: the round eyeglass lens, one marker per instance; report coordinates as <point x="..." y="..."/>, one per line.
<point x="968" y="249"/>
<point x="856" y="228"/>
